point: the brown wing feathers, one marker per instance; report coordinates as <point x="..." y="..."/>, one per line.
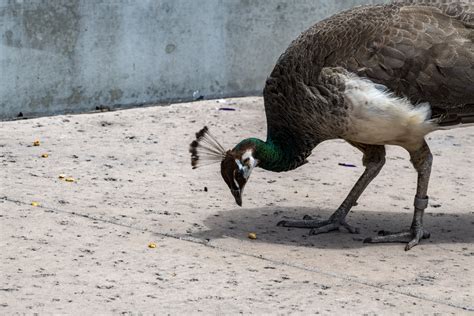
<point x="424" y="53"/>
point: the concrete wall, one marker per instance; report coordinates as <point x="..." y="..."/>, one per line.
<point x="59" y="56"/>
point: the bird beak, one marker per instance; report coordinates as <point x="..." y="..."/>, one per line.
<point x="238" y="196"/>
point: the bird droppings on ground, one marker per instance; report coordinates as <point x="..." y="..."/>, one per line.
<point x="86" y="248"/>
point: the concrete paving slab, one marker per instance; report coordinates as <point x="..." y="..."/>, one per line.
<point x="84" y="248"/>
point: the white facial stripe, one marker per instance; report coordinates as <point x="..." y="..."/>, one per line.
<point x="247" y="154"/>
<point x="248" y="167"/>
<point x="239" y="164"/>
<point x="236" y="183"/>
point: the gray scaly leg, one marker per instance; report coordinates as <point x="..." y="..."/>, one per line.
<point x="422" y="160"/>
<point x="374" y="159"/>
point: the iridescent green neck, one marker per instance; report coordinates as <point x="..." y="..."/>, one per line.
<point x="270" y="156"/>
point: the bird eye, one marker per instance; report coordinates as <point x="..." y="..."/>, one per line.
<point x="246" y="160"/>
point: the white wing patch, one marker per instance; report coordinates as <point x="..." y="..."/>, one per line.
<point x="378" y="117"/>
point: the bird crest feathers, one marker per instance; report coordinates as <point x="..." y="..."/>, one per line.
<point x="205" y="149"/>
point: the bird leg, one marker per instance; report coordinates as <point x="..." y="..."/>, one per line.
<point x="374" y="159"/>
<point x="422" y="161"/>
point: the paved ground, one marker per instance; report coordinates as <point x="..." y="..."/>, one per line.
<point x="84" y="248"/>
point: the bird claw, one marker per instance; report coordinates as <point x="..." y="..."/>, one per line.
<point x="317" y="226"/>
<point x="411" y="237"/>
<point x="304" y="223"/>
<point x="350" y="229"/>
<point x="334" y="225"/>
<point x="324" y="229"/>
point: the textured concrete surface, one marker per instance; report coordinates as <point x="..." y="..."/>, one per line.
<point x="84" y="248"/>
<point x="71" y="56"/>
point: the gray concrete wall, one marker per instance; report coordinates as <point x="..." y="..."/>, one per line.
<point x="59" y="56"/>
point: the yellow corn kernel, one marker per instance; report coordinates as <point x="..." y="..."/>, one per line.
<point x="252" y="236"/>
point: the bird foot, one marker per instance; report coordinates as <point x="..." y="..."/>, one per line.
<point x="411" y="237"/>
<point x="317" y="226"/>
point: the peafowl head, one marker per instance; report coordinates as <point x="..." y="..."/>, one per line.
<point x="236" y="164"/>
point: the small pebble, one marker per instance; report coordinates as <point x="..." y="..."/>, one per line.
<point x="36" y="143"/>
<point x="252" y="236"/>
<point x="152" y="245"/>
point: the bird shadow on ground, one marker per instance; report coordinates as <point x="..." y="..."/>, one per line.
<point x="444" y="228"/>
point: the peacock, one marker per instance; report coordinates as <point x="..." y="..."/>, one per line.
<point x="374" y="75"/>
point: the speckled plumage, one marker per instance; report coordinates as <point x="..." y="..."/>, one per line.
<point x="422" y="52"/>
<point x="372" y="75"/>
